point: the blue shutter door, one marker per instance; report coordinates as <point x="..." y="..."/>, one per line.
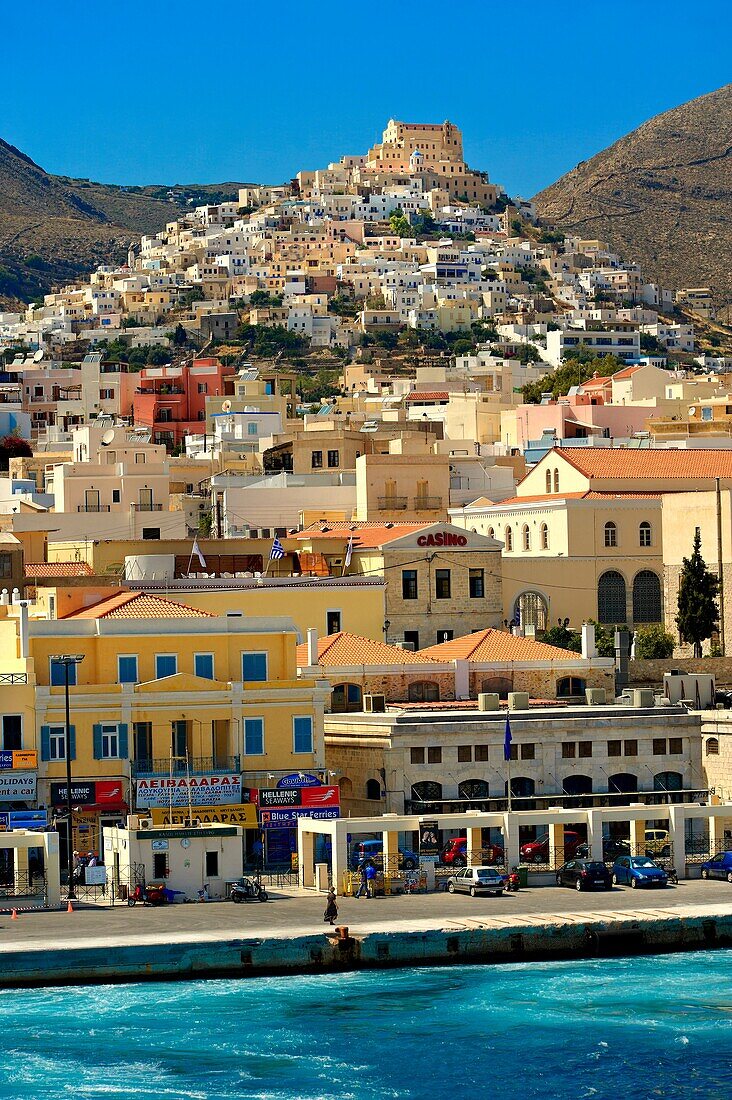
<point x="124" y="740"/>
<point x="97" y="738"/>
<point x="45" y="743"/>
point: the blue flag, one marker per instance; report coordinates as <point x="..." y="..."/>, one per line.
<point x="507" y="740"/>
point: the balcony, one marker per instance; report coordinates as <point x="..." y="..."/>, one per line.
<point x="92" y="507"/>
<point x="197" y="765"/>
<point x="146" y="507"/>
<point x="428" y="504"/>
<point x="392" y="504"/>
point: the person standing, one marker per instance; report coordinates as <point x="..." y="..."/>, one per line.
<point x="363" y="887"/>
<point x="331" y="907"/>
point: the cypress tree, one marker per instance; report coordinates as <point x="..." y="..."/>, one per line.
<point x="698" y="609"/>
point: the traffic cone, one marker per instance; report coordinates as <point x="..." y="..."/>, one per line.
<point x="14" y="914"/>
<point x="69" y="907"/>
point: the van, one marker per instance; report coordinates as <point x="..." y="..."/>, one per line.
<point x="658" y="842"/>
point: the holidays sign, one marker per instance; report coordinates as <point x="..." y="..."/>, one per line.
<point x="298" y="796"/>
<point x="17" y="785"/>
<point x="287" y="819"/>
<point x="198" y="790"/>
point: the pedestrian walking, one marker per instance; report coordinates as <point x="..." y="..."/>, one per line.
<point x="363" y="886"/>
<point x="370" y="879"/>
<point x="331" y="907"/>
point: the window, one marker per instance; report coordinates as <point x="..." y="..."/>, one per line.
<point x="659" y="746"/>
<point x="116" y="496"/>
<point x="675" y="746"/>
<point x="203" y="665"/>
<point x="409" y="584"/>
<point x="544" y="537"/>
<point x="127" y="668"/>
<point x="332" y="622"/>
<point x="611" y="598"/>
<point x="302" y="734"/>
<point x="711" y="748"/>
<point x="426" y="792"/>
<point x="142" y="732"/>
<point x="570" y="685"/>
<point x="316" y="460"/>
<point x="526" y="537"/>
<point x="108" y="740"/>
<point x="465" y="754"/>
<point x="160" y="865"/>
<point x="481" y="753"/>
<point x="412" y="637"/>
<point x="416" y="756"/>
<point x="647" y="598"/>
<point x="254" y="666"/>
<point x="152" y="533"/>
<point x="203" y="387"/>
<point x="630" y="748"/>
<point x="6" y="565"/>
<point x="548" y="481"/>
<point x="508" y="538"/>
<point x="568" y="750"/>
<point x="166" y="664"/>
<point x="373" y="790"/>
<point x="531" y="609"/>
<point x="253" y="736"/>
<point x="442" y="584"/>
<point x="423" y="691"/>
<point x="491" y="533"/>
<point x="434" y="755"/>
<point x="212" y="864"/>
<point x="140" y="458"/>
<point x="58" y="674"/>
<point x="644" y="534"/>
<point x="513" y="751"/>
<point x="334" y="459"/>
<point x="556" y="481"/>
<point x="445" y="636"/>
<point x="477" y="584"/>
<point x="345" y="698"/>
<point x="528" y="752"/>
<point x="53" y="742"/>
<point x="611" y="534"/>
<point x="585" y="749"/>
<point x="12" y="727"/>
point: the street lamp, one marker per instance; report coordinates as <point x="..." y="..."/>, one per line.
<point x="67" y="660"/>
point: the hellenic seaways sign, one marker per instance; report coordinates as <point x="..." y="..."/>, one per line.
<point x="280" y="807"/>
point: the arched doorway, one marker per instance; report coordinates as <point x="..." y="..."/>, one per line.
<point x="345" y="698"/>
<point x="423" y="691"/>
<point x="522" y="792"/>
<point x="623" y="784"/>
<point x="576" y="786"/>
<point x="611" y="598"/>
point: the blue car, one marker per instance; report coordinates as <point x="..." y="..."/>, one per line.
<point x="638" y="871"/>
<point x="720" y="866"/>
<point x="372" y="851"/>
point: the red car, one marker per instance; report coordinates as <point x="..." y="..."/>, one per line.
<point x="537" y="851"/>
<point x="454" y="854"/>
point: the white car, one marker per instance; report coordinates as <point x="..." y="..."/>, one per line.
<point x="476" y="880"/>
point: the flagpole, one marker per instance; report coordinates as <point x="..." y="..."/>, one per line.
<point x="508" y="762"/>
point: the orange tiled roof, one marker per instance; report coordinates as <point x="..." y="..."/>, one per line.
<point x="626" y="372"/>
<point x="497" y="645"/>
<point x="665" y="463"/>
<point x="365" y="535"/>
<point x="588" y="494"/>
<point x="427" y="395"/>
<point x="351" y="649"/>
<point x="139" y="605"/>
<point x="58" y="569"/>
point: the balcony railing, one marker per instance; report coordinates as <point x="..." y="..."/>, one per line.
<point x="197" y="765"/>
<point x="147" y="507"/>
<point x="13" y="677"/>
<point x="92" y="508"/>
<point x="427" y="504"/>
<point x="392" y="504"/>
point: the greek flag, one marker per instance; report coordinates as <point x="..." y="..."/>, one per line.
<point x="277" y="551"/>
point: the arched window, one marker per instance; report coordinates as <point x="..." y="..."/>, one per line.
<point x="498" y="685"/>
<point x="373" y="789"/>
<point x="556" y="481"/>
<point x="522" y="789"/>
<point x="712" y="746"/>
<point x="668" y="781"/>
<point x="577" y="784"/>
<point x="423" y="691"/>
<point x="345" y="698"/>
<point x="622" y="784"/>
<point x="426" y="793"/>
<point x="548" y="481"/>
<point x="346" y="786"/>
<point x="611" y="598"/>
<point x="509" y="539"/>
<point x="491" y="533"/>
<point x="474" y="789"/>
<point x="647" y="598"/>
<point x="531" y="609"/>
<point x="544" y="537"/>
<point x="644" y="534"/>
<point x="526" y="537"/>
<point x="570" y="685"/>
<point x="611" y="534"/>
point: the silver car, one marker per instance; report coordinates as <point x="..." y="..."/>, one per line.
<point x="476" y="880"/>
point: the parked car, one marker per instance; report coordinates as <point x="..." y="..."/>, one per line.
<point x="719" y="866"/>
<point x="638" y="871"/>
<point x="585" y="874"/>
<point x="476" y="880"/>
<point x="611" y="849"/>
<point x="454" y="854"/>
<point x="372" y="851"/>
<point x="658" y="842"/>
<point x="537" y="851"/>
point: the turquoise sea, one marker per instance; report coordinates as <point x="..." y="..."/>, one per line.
<point x="623" y="1029"/>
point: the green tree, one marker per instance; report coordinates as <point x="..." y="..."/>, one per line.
<point x="574" y="371"/>
<point x="653" y="643"/>
<point x="698" y="613"/>
<point x="180" y="336"/>
<point x="562" y="637"/>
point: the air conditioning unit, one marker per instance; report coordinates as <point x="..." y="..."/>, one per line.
<point x="643" y="697"/>
<point x="374" y="704"/>
<point x="595" y="697"/>
<point x="488" y="700"/>
<point x="133" y="821"/>
<point x="145" y="823"/>
<point x="518" y="700"/>
<point x="409" y="646"/>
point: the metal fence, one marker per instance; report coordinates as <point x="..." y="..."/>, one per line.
<point x="23" y="884"/>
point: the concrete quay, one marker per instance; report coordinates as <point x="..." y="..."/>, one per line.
<point x="288" y="936"/>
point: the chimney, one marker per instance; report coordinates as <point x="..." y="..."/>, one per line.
<point x="312" y="645"/>
<point x="589" y="649"/>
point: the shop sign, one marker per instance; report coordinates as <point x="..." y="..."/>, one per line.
<point x="287" y="819"/>
<point x="160" y="845"/>
<point x="23" y="819"/>
<point x="298" y="779"/>
<point x="82" y="794"/>
<point x="299" y="796"/>
<point x="17" y="786"/>
<point x="198" y="790"/>
<point x="108" y="792"/>
<point x="180" y="834"/>
<point x="18" y="758"/>
<point x="242" y="814"/>
<point x="442" y="538"/>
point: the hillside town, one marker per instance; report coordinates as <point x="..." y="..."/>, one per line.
<point x="326" y="480"/>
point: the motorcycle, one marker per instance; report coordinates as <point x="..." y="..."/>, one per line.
<point x="148" y="895"/>
<point x="247" y="889"/>
<point x="511" y="882"/>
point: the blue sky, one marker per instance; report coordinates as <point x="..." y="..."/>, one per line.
<point x="164" y="92"/>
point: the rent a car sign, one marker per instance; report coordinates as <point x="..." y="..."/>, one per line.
<point x="198" y="790"/>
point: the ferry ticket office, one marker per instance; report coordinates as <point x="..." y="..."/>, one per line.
<point x="597" y="821"/>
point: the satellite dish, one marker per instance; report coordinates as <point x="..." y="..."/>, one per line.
<point x="692" y="411"/>
<point x="108" y="437"/>
<point x="226" y="406"/>
<point x="38" y="356"/>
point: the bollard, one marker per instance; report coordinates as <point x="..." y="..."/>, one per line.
<point x="342" y="932"/>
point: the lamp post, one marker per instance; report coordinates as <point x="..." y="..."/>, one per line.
<point x="67" y="660"/>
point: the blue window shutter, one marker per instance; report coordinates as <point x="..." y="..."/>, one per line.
<point x="45" y="743"/>
<point x="97" y="736"/>
<point x="72" y="742"/>
<point x="123" y="738"/>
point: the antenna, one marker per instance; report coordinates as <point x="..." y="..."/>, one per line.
<point x="108" y="437"/>
<point x="226" y="406"/>
<point x="38" y="356"/>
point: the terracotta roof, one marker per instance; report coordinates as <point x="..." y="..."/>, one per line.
<point x="351" y="649"/>
<point x="139" y="605"/>
<point x="589" y="494"/>
<point x="427" y="395"/>
<point x="58" y="569"/>
<point x="365" y="535"/>
<point x="665" y="463"/>
<point x="596" y="382"/>
<point x="497" y="645"/>
<point x="626" y="372"/>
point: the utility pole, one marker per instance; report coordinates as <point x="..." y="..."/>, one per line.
<point x="720" y="566"/>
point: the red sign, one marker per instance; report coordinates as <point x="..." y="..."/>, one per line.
<point x="442" y="538"/>
<point x="320" y="796"/>
<point x="109" y="791"/>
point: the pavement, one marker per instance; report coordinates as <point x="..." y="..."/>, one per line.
<point x="291" y="913"/>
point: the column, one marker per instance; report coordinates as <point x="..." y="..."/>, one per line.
<point x="53" y="868"/>
<point x="556" y="843"/>
<point x="306" y="856"/>
<point x="391" y="853"/>
<point x="20" y="870"/>
<point x="594" y="833"/>
<point x="475" y="847"/>
<point x="677" y="835"/>
<point x="716" y="835"/>
<point x="637" y="836"/>
<point x="511" y="840"/>
<point x="339" y="852"/>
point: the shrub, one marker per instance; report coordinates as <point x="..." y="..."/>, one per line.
<point x="653" y="643"/>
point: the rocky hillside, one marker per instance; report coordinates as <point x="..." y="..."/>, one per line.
<point x="53" y="228"/>
<point x="662" y="195"/>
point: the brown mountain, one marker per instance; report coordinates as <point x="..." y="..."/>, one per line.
<point x="661" y="196"/>
<point x="54" y="228"/>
